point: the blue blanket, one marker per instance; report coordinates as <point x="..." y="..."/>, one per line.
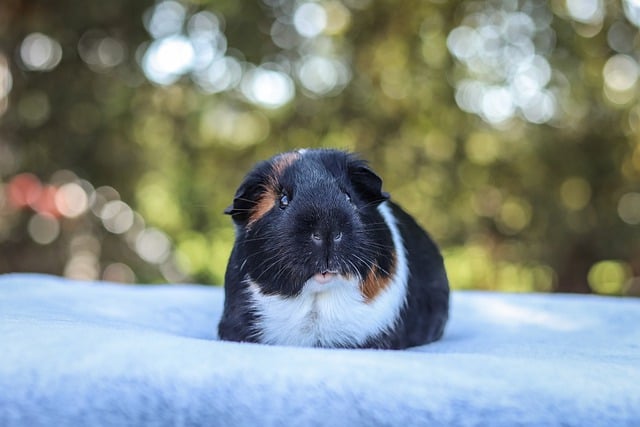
<point x="99" y="354"/>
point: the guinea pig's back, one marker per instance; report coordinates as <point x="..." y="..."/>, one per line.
<point x="427" y="306"/>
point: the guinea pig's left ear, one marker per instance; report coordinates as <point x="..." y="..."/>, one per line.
<point x="367" y="183"/>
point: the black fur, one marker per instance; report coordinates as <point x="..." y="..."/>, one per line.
<point x="331" y="197"/>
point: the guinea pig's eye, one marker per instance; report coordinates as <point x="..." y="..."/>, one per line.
<point x="348" y="197"/>
<point x="284" y="201"/>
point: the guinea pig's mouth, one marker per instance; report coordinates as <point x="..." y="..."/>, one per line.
<point x="325" y="276"/>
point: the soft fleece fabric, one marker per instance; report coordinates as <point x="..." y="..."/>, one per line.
<point x="99" y="354"/>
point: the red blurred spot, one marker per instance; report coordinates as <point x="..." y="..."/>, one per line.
<point x="24" y="190"/>
<point x="46" y="203"/>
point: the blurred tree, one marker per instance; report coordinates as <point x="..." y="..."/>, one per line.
<point x="508" y="128"/>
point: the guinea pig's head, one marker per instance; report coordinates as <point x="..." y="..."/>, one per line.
<point x="309" y="214"/>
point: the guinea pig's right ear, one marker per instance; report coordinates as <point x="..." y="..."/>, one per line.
<point x="243" y="202"/>
<point x="249" y="193"/>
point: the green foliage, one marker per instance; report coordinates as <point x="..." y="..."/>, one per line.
<point x="509" y="129"/>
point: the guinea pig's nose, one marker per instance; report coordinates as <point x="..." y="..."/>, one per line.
<point x="318" y="238"/>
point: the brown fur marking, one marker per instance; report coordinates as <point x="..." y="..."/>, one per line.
<point x="375" y="283"/>
<point x="283" y="161"/>
<point x="267" y="200"/>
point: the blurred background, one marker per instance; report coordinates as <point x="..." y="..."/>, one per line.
<point x="509" y="129"/>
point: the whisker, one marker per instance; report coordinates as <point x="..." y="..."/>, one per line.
<point x="247" y="200"/>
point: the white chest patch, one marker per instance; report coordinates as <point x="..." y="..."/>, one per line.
<point x="333" y="314"/>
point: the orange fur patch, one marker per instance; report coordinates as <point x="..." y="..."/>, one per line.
<point x="268" y="198"/>
<point x="374" y="283"/>
<point x="283" y="161"/>
<point x="264" y="204"/>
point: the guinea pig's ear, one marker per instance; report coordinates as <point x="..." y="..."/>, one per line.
<point x="367" y="183"/>
<point x="249" y="193"/>
<point x="243" y="202"/>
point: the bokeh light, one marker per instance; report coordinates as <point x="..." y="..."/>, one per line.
<point x="221" y="75"/>
<point x="101" y="196"/>
<point x="166" y="18"/>
<point x="267" y="87"/>
<point x="310" y="19"/>
<point x="197" y="46"/>
<point x="71" y="200"/>
<point x="69" y="214"/>
<point x="153" y="245"/>
<point x="167" y="59"/>
<point x="620" y="78"/>
<point x="586" y="11"/>
<point x="515" y="214"/>
<point x="6" y="83"/>
<point x="24" y="190"/>
<point x="184" y="45"/>
<point x="632" y="11"/>
<point x="43" y="228"/>
<point x="118" y="272"/>
<point x="506" y="70"/>
<point x="100" y="51"/>
<point x="46" y="201"/>
<point x="323" y="76"/>
<point x="117" y="216"/>
<point x="609" y="276"/>
<point x="338" y="17"/>
<point x="205" y="34"/>
<point x="40" y="52"/>
<point x="629" y="208"/>
<point x="575" y="193"/>
<point x="83" y="265"/>
<point x="620" y="36"/>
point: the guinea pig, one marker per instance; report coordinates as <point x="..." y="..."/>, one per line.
<point x="323" y="258"/>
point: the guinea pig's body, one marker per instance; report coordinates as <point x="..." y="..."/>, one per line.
<point x="322" y="258"/>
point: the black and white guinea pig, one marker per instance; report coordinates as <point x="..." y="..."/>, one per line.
<point x="323" y="258"/>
